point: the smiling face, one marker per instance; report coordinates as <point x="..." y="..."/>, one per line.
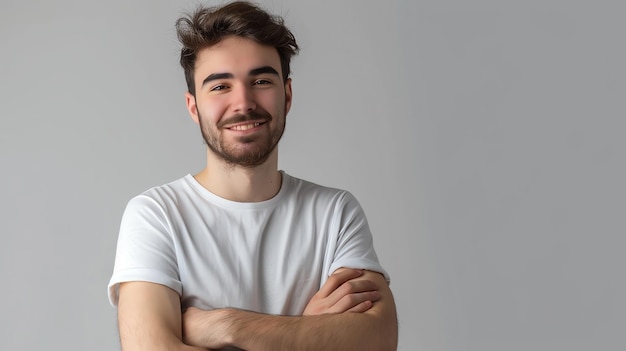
<point x="241" y="100"/>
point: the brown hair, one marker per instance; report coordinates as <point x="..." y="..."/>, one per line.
<point x="208" y="26"/>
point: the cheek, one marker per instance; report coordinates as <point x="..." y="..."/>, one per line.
<point x="273" y="103"/>
<point x="211" y="112"/>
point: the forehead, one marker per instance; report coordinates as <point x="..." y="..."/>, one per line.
<point x="235" y="55"/>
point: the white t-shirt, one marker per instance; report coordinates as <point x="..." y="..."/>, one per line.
<point x="270" y="256"/>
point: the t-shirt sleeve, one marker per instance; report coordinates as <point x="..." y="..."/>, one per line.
<point x="145" y="248"/>
<point x="355" y="246"/>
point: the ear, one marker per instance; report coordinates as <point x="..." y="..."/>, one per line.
<point x="288" y="96"/>
<point x="190" y="100"/>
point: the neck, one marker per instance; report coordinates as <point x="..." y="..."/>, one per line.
<point x="241" y="184"/>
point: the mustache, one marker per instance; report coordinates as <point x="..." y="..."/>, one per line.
<point x="250" y="116"/>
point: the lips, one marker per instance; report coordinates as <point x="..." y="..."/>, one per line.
<point x="242" y="127"/>
<point x="244" y="122"/>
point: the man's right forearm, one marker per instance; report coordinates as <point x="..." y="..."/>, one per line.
<point x="374" y="329"/>
<point x="346" y="331"/>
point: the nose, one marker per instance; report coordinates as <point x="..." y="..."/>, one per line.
<point x="243" y="99"/>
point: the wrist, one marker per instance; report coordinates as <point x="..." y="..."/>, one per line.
<point x="229" y="323"/>
<point x="243" y="328"/>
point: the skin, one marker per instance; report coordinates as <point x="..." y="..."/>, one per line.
<point x="241" y="104"/>
<point x="149" y="315"/>
<point x="373" y="329"/>
<point x="218" y="101"/>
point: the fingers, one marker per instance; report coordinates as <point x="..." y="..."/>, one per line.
<point x="338" y="278"/>
<point x="351" y="287"/>
<point x="362" y="307"/>
<point x="352" y="294"/>
<point x="344" y="292"/>
<point x="357" y="302"/>
<point x="191" y="309"/>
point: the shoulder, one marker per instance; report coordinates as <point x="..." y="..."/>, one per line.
<point x="307" y="191"/>
<point x="174" y="189"/>
<point x="164" y="197"/>
<point x="303" y="187"/>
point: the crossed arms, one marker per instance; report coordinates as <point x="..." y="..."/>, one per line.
<point x="354" y="310"/>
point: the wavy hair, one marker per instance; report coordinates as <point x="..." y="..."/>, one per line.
<point x="207" y="26"/>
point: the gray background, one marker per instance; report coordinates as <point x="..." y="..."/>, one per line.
<point x="483" y="138"/>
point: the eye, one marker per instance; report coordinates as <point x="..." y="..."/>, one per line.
<point x="261" y="82"/>
<point x="219" y="87"/>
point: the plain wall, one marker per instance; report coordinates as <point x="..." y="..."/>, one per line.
<point x="483" y="138"/>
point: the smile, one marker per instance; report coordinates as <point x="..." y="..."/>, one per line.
<point x="245" y="126"/>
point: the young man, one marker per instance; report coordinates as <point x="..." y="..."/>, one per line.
<point x="242" y="255"/>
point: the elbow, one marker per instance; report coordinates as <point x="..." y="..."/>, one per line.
<point x="390" y="344"/>
<point x="384" y="341"/>
<point x="387" y="340"/>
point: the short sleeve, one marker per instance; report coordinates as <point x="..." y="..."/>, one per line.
<point x="355" y="246"/>
<point x="145" y="248"/>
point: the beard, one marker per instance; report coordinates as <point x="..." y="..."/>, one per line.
<point x="245" y="151"/>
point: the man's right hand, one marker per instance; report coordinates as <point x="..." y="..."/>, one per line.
<point x="343" y="292"/>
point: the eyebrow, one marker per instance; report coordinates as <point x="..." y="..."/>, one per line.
<point x="253" y="72"/>
<point x="216" y="76"/>
<point x="262" y="70"/>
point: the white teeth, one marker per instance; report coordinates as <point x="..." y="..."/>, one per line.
<point x="246" y="126"/>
